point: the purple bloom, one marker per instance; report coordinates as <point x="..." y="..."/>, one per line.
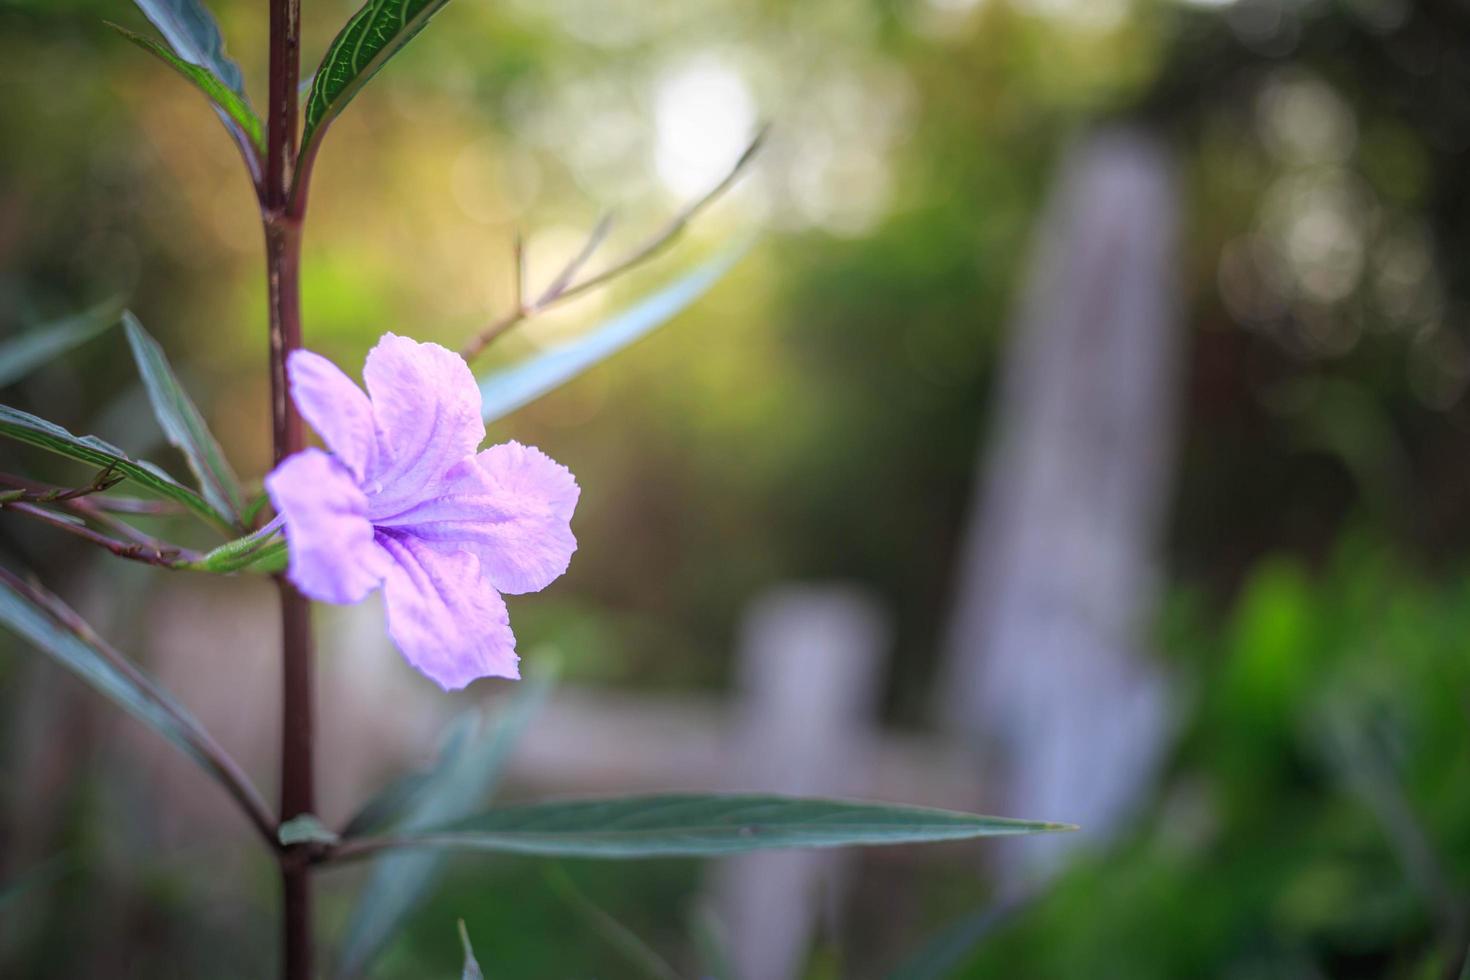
<point x="405" y="502"/>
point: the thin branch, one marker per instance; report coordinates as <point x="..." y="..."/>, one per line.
<point x="141" y="549"/>
<point x="564" y="288"/>
<point x="217" y="760"/>
<point x="79" y="498"/>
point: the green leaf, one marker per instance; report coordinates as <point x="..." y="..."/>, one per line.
<point x="505" y="391"/>
<point x="947" y="951"/>
<point x="468" y="767"/>
<point x="27" y="428"/>
<point x="51" y="626"/>
<point x="374" y="34"/>
<point x="182" y="423"/>
<point x="21" y="355"/>
<point x="305" y="829"/>
<point x="191" y="31"/>
<point x="695" y="825"/>
<point x="472" y="969"/>
<point x="643" y="958"/>
<point x="233" y="107"/>
<point x="263" y="551"/>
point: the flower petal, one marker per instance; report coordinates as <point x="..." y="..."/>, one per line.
<point x="446" y="619"/>
<point x="336" y="408"/>
<point x="427" y="409"/>
<point x="512" y="505"/>
<point x="333" y="554"/>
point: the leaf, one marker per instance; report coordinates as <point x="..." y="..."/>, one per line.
<point x="260" y="551"/>
<point x="182" y="423"/>
<point x="947" y="951"/>
<point x="232" y="106"/>
<point x="468" y="767"/>
<point x="27" y="428"/>
<point x="191" y="31"/>
<point x="21" y="355"/>
<point x="505" y="391"/>
<point x="698" y="825"/>
<point x="635" y="952"/>
<point x="374" y="34"/>
<point x="305" y="829"/>
<point x="471" y="965"/>
<point x="51" y="626"/>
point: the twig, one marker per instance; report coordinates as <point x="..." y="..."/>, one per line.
<point x="142" y="549"/>
<point x="216" y="759"/>
<point x="564" y="288"/>
<point x="36" y="492"/>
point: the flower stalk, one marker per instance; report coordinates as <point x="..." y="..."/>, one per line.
<point x="282" y="226"/>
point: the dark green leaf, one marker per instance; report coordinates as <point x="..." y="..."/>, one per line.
<point x="305" y="829"/>
<point x="27" y="428"/>
<point x="23" y="354"/>
<point x="51" y="626"/>
<point x="232" y="105"/>
<point x="505" y="391"/>
<point x="471" y="965"/>
<point x="468" y="767"/>
<point x="182" y="423"/>
<point x="374" y="34"/>
<point x="695" y="825"/>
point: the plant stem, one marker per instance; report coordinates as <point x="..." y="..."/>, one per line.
<point x="283" y="275"/>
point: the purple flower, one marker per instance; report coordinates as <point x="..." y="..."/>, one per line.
<point x="405" y="502"/>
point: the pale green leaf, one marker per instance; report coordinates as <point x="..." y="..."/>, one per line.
<point x="27" y="428"/>
<point x="191" y="31"/>
<point x="305" y="829"/>
<point x="22" y="354"/>
<point x="182" y="423"/>
<point x="468" y="767"/>
<point x="507" y="390"/>
<point x="472" y="969"/>
<point x="696" y="825"/>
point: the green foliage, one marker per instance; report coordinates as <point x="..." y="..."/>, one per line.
<point x="1316" y="817"/>
<point x="24" y="427"/>
<point x="470" y="760"/>
<point x="701" y="825"/>
<point x="504" y="391"/>
<point x="21" y="355"/>
<point x="633" y="950"/>
<point x="230" y="103"/>
<point x="374" y="34"/>
<point x="182" y="423"/>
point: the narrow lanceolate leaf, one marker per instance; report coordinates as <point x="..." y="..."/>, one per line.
<point x="193" y="35"/>
<point x="374" y="34"/>
<point x="22" y="354"/>
<point x="507" y="390"/>
<point x="694" y="825"/>
<point x="471" y="969"/>
<point x="27" y="428"/>
<point x="468" y="767"/>
<point x="233" y="106"/>
<point x="52" y="627"/>
<point x="191" y="31"/>
<point x="182" y="423"/>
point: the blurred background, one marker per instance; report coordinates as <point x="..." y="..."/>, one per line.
<point x="1083" y="438"/>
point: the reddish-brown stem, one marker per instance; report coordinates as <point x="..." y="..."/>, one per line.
<point x="283" y="276"/>
<point x="141" y="548"/>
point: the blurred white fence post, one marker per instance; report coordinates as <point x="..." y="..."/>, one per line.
<point x="1047" y="652"/>
<point x="811" y="663"/>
